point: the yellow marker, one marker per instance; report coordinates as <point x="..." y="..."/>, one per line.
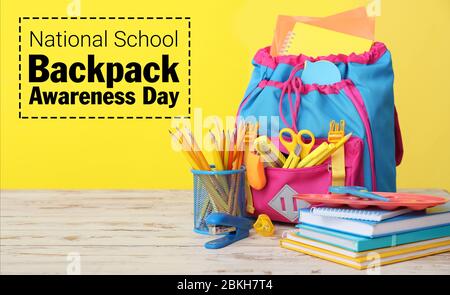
<point x="338" y="144"/>
<point x="343" y="140"/>
<point x="320" y="150"/>
<point x="269" y="152"/>
<point x="293" y="158"/>
<point x="322" y="156"/>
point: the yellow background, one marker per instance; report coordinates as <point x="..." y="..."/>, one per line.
<point x="225" y="35"/>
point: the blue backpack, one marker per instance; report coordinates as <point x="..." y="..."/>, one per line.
<point x="364" y="98"/>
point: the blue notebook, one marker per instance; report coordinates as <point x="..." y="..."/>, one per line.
<point x="436" y="216"/>
<point x="358" y="244"/>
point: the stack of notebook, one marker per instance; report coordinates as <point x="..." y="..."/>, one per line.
<point x="364" y="238"/>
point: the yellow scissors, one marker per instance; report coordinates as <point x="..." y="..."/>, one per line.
<point x="296" y="140"/>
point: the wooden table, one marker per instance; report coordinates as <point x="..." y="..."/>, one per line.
<point x="145" y="232"/>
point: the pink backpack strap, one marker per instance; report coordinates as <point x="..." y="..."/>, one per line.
<point x="398" y="140"/>
<point x="292" y="83"/>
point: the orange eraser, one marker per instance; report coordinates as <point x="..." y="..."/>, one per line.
<point x="255" y="171"/>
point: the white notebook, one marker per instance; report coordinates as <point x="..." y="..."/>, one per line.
<point x="360" y="214"/>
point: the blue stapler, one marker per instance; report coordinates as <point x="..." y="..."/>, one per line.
<point x="241" y="224"/>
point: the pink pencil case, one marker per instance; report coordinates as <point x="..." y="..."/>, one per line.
<point x="277" y="200"/>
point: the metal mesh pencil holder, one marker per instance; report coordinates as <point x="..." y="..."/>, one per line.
<point x="217" y="191"/>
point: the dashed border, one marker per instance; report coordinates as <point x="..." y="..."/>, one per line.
<point x="105" y="18"/>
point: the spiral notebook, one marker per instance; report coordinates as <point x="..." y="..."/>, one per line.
<point x="414" y="220"/>
<point x="314" y="41"/>
<point x="345" y="32"/>
<point x="360" y="214"/>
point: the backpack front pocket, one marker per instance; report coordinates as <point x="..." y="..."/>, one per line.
<point x="276" y="198"/>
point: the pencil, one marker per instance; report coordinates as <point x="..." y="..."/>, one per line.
<point x="215" y="152"/>
<point x="202" y="160"/>
<point x="231" y="149"/>
<point x="219" y="137"/>
<point x="215" y="190"/>
<point x="226" y="143"/>
<point x="189" y="157"/>
<point x="218" y="163"/>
